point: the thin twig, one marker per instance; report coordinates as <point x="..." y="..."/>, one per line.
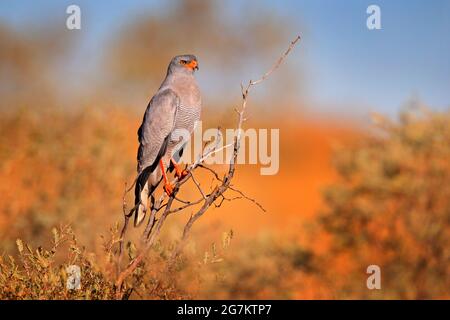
<point x="198" y="185"/>
<point x="243" y="196"/>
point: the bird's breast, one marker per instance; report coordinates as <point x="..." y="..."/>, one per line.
<point x="187" y="89"/>
<point x="186" y="116"/>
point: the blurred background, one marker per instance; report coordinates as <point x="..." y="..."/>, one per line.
<point x="364" y="137"/>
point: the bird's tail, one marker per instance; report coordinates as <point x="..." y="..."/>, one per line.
<point x="142" y="193"/>
<point x="143" y="190"/>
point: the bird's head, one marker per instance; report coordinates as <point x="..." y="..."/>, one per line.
<point x="183" y="63"/>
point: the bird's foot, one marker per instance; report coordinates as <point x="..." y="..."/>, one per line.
<point x="180" y="173"/>
<point x="168" y="188"/>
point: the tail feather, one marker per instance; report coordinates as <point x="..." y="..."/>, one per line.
<point x="141" y="195"/>
<point x="143" y="190"/>
<point x="143" y="206"/>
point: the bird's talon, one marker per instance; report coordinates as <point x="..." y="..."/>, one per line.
<point x="168" y="188"/>
<point x="180" y="174"/>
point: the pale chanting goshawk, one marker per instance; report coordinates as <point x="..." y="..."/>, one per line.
<point x="170" y="116"/>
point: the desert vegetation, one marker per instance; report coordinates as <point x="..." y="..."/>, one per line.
<point x="387" y="206"/>
<point x="345" y="197"/>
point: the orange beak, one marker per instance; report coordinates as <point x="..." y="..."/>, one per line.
<point x="192" y="65"/>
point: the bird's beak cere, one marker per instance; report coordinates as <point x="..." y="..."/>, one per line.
<point x="193" y="65"/>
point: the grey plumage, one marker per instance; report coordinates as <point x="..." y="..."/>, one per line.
<point x="169" y="117"/>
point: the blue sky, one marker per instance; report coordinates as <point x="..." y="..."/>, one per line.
<point x="347" y="64"/>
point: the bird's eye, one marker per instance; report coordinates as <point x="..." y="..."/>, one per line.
<point x="183" y="61"/>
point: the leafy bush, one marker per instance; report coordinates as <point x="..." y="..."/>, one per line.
<point x="392" y="207"/>
<point x="35" y="275"/>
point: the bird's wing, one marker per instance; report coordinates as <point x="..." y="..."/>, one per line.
<point x="156" y="127"/>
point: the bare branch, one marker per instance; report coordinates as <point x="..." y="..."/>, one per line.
<point x="243" y="196"/>
<point x="186" y="206"/>
<point x="277" y="64"/>
<point x="198" y="185"/>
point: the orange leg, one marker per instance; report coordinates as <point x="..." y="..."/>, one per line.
<point x="179" y="173"/>
<point x="168" y="188"/>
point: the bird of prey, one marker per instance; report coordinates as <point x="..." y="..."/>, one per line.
<point x="167" y="125"/>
